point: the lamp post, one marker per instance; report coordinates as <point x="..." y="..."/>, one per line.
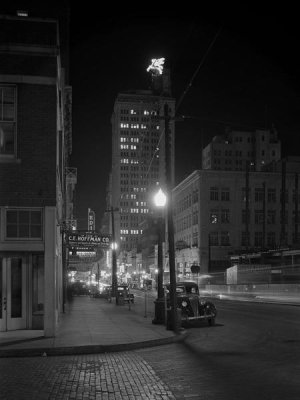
<point x="160" y="201"/>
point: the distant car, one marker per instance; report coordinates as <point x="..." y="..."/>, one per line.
<point x="107" y="293"/>
<point x="79" y="289"/>
<point x="124" y="293"/>
<point x="193" y="307"/>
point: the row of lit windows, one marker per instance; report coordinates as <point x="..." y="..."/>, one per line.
<point x="132" y="232"/>
<point x="132" y="140"/>
<point x="126" y="161"/>
<point x="134" y="210"/>
<point x="127" y="147"/>
<point x="136" y="112"/>
<point x="136" y="126"/>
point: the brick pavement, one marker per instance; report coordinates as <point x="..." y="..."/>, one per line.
<point x="109" y="376"/>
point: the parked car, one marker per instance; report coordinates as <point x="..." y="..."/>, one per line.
<point x="192" y="307"/>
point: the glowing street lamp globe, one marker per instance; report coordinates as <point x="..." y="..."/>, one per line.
<point x="160" y="199"/>
<point x="114" y="246"/>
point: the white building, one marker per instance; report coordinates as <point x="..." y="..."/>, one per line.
<point x="210" y="215"/>
<point x="234" y="150"/>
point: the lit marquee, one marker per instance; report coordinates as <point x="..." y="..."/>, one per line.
<point x="156" y="67"/>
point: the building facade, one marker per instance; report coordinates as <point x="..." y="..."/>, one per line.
<point x="35" y="142"/>
<point x="235" y="149"/>
<point x="220" y="213"/>
<point x="138" y="161"/>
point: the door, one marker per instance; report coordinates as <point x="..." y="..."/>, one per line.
<point x="12" y="293"/>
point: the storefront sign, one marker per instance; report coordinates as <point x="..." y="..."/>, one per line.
<point x="87" y="239"/>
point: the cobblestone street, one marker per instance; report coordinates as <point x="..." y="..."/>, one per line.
<point x="110" y="376"/>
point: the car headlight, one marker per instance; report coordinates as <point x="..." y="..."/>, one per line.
<point x="184" y="304"/>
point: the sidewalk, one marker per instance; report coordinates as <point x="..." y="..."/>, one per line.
<point x="90" y="325"/>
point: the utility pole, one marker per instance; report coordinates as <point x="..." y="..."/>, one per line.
<point x="247" y="205"/>
<point x="296" y="209"/>
<point x="159" y="302"/>
<point x="114" y="281"/>
<point x="169" y="179"/>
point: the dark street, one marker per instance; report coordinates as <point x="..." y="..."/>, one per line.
<point x="252" y="352"/>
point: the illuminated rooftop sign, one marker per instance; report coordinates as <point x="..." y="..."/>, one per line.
<point x="156" y="67"/>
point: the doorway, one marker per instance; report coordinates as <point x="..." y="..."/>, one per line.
<point x="12" y="293"/>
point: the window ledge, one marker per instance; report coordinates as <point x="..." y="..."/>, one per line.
<point x="9" y="160"/>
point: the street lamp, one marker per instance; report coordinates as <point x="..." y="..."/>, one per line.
<point x="114" y="282"/>
<point x="160" y="200"/>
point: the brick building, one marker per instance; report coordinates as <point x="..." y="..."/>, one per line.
<point x="35" y="143"/>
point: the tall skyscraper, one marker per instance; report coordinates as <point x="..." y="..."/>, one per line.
<point x="138" y="159"/>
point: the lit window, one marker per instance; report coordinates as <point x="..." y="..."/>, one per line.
<point x="214" y="217"/>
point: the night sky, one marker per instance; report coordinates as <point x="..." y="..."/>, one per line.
<point x="243" y="68"/>
<point x="244" y="74"/>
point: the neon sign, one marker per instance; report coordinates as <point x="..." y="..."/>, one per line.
<point x="156" y="67"/>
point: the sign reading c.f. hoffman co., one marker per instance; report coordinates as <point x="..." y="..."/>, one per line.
<point x="86" y="238"/>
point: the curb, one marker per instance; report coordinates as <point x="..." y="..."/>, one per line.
<point x="90" y="349"/>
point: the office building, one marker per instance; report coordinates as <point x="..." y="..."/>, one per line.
<point x="235" y="149"/>
<point x="220" y="213"/>
<point x="138" y="161"/>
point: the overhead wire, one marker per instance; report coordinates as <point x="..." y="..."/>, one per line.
<point x="185" y="91"/>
